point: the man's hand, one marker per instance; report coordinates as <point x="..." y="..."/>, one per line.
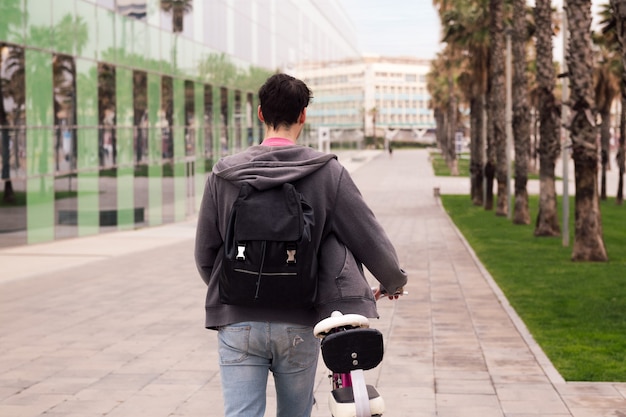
<point x="381" y="292"/>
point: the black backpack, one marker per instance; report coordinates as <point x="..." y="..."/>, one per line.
<point x="269" y="258"/>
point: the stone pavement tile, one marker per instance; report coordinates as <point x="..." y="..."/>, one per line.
<point x="601" y="403"/>
<point x="468" y="405"/>
<point x="530" y="398"/>
<point x="460" y="386"/>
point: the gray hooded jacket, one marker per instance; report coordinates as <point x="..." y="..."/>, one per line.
<point x="341" y="217"/>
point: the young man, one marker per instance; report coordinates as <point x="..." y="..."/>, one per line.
<point x="254" y="341"/>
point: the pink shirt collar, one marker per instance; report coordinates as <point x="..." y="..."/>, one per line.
<point x="277" y="142"/>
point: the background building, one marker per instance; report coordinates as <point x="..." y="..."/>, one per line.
<point x="370" y="96"/>
<point x="112" y="111"/>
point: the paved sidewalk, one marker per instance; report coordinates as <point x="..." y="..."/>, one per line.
<point x="111" y="325"/>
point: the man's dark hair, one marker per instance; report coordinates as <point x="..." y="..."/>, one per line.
<point x="282" y="98"/>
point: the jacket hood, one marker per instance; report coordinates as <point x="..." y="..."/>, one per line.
<point x="265" y="167"/>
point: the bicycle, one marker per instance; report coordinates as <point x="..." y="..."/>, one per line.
<point x="350" y="347"/>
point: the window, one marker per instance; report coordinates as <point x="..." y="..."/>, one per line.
<point x="140" y="116"/>
<point x="106" y="115"/>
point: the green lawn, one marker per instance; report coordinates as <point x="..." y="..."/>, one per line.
<point x="576" y="311"/>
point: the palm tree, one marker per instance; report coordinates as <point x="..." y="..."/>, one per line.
<point x="610" y="42"/>
<point x="466" y="27"/>
<point x="496" y="139"/>
<point x="438" y="80"/>
<point x="607" y="79"/>
<point x="588" y="241"/>
<point x="521" y="112"/>
<point x="178" y="8"/>
<point x="547" y="219"/>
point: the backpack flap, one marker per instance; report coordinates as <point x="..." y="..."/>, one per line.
<point x="274" y="214"/>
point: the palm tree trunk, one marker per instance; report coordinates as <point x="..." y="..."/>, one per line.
<point x="476" y="150"/>
<point x="452" y="126"/>
<point x="521" y="113"/>
<point x="621" y="154"/>
<point x="497" y="104"/>
<point x="547" y="223"/>
<point x="588" y="240"/>
<point x="619" y="12"/>
<point x="490" y="163"/>
<point x="605" y="137"/>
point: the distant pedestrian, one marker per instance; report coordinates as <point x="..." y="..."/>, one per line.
<point x="390" y="149"/>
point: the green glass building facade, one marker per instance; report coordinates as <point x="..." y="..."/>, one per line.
<point x="113" y="111"/>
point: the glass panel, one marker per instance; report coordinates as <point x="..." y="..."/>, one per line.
<point x="141" y="201"/>
<point x="12" y="21"/>
<point x="107" y="201"/>
<point x="238" y="115"/>
<point x="168" y="55"/>
<point x="249" y="120"/>
<point x="86" y="94"/>
<point x="153" y="48"/>
<point x="166" y="117"/>
<point x="12" y="147"/>
<point x="155" y="169"/>
<point x="88" y="195"/>
<point x="65" y="205"/>
<point x="38" y="70"/>
<point x="125" y="146"/>
<point x="86" y="40"/>
<point x="12" y="120"/>
<point x="64" y="81"/>
<point x="200" y="167"/>
<point x="39" y="23"/>
<point x="140" y="51"/>
<point x="140" y="118"/>
<point x="154" y="109"/>
<point x="224" y="120"/>
<point x="208" y="121"/>
<point x="13" y="216"/>
<point x="106" y="35"/>
<point x="125" y="188"/>
<point x="124" y="40"/>
<point x="107" y="149"/>
<point x="140" y="180"/>
<point x="198" y="119"/>
<point x="40" y="208"/>
<point x="190" y="119"/>
<point x="179" y="119"/>
<point x="63" y="25"/>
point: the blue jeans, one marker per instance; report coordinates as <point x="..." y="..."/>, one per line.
<point x="249" y="350"/>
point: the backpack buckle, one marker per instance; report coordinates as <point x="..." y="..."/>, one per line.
<point x="241" y="254"/>
<point x="291" y="253"/>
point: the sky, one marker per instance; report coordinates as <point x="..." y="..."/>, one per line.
<point x="406" y="27"/>
<point x="395" y="27"/>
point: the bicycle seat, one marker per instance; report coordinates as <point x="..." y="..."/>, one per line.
<point x="338" y="320"/>
<point x="352" y="349"/>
